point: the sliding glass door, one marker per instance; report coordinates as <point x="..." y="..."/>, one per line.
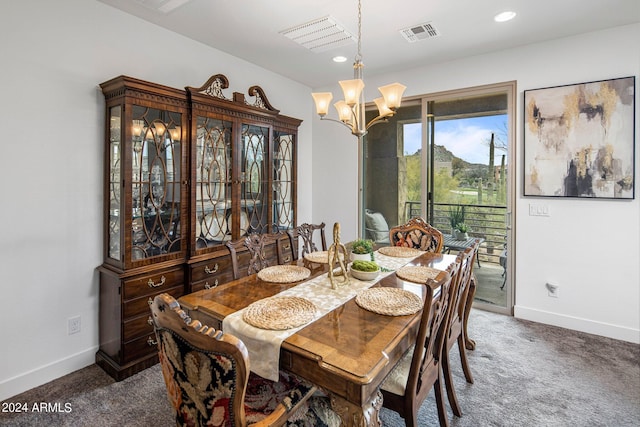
<point x="445" y="157"/>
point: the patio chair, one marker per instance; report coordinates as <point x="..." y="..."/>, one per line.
<point x="376" y="227"/>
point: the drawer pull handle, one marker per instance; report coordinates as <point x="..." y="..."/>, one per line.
<point x="287" y="246"/>
<point x="150" y="301"/>
<point x="209" y="271"/>
<point x="287" y="259"/>
<point x="151" y="341"/>
<point x="150" y="321"/>
<point x="208" y="286"/>
<point x="152" y="284"/>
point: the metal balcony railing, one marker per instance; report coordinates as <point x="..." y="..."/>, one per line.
<point x="486" y="221"/>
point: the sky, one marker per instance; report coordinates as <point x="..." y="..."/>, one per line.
<point x="467" y="139"/>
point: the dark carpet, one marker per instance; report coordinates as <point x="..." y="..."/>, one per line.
<point x="526" y="374"/>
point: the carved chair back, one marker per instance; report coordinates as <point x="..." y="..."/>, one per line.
<point x="256" y="244"/>
<point x="418" y="234"/>
<point x="207" y="375"/>
<point x="305" y="234"/>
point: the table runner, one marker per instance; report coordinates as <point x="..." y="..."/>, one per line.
<point x="264" y="345"/>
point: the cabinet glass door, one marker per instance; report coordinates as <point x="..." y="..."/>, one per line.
<point x="113" y="233"/>
<point x="156" y="178"/>
<point x="253" y="207"/>
<point x="283" y="179"/>
<point x="213" y="181"/>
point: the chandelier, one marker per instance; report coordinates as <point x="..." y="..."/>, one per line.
<point x="351" y="108"/>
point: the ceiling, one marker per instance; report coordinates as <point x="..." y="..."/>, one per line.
<point x="250" y="29"/>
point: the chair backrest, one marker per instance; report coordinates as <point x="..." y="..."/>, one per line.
<point x="425" y="363"/>
<point x="305" y="233"/>
<point x="205" y="371"/>
<point x="465" y="260"/>
<point x="255" y="243"/>
<point x="418" y="234"/>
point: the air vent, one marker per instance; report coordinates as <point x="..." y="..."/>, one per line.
<point x="420" y="32"/>
<point x="320" y="34"/>
<point x="164" y="6"/>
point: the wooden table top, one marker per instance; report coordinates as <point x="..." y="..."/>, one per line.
<point x="350" y="350"/>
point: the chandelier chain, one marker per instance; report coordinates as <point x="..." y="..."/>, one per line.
<point x="359" y="55"/>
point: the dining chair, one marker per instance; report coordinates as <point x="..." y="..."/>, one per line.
<point x="305" y="234"/>
<point x="206" y="373"/>
<point x="255" y="244"/>
<point x="456" y="331"/>
<point x="417" y="233"/>
<point x="409" y="383"/>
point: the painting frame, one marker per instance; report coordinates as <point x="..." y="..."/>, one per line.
<point x="579" y="140"/>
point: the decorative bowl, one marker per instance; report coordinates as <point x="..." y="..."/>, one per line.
<point x="364" y="275"/>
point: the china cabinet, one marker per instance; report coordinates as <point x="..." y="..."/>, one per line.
<point x="185" y="172"/>
<point x="145" y="212"/>
<point x="243" y="175"/>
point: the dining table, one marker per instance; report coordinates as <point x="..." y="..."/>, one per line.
<point x="344" y="349"/>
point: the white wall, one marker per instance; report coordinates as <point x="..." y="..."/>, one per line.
<point x="52" y="116"/>
<point x="590" y="248"/>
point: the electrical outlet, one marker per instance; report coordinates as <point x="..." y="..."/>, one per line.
<point x="74" y="325"/>
<point x="553" y="290"/>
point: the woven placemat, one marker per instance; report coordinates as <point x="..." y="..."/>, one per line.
<point x="283" y="273"/>
<point x="417" y="273"/>
<point x="400" y="251"/>
<point x="279" y="313"/>
<point x="389" y="301"/>
<point x="320" y="257"/>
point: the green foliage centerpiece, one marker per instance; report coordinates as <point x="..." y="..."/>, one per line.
<point x="362" y="249"/>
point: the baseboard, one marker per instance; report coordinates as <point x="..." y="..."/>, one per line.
<point x="44" y="374"/>
<point x="578" y="324"/>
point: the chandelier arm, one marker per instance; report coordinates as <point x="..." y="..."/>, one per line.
<point x="377" y="120"/>
<point x="337" y="121"/>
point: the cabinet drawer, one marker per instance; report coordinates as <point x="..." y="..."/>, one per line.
<point x="139" y="347"/>
<point x="212" y="282"/>
<point x="153" y="283"/>
<point x="210" y="269"/>
<point x="141" y="305"/>
<point x="286" y="254"/>
<point x="137" y="327"/>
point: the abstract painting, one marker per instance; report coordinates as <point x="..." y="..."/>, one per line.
<point x="579" y="140"/>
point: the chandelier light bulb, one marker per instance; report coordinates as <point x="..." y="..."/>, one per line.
<point x="352" y="90"/>
<point x="322" y="100"/>
<point x="344" y="111"/>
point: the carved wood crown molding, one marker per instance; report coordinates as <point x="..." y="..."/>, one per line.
<point x="213" y="87"/>
<point x="216" y="83"/>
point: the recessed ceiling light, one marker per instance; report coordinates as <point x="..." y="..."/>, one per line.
<point x="504" y="16"/>
<point x="339" y="58"/>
